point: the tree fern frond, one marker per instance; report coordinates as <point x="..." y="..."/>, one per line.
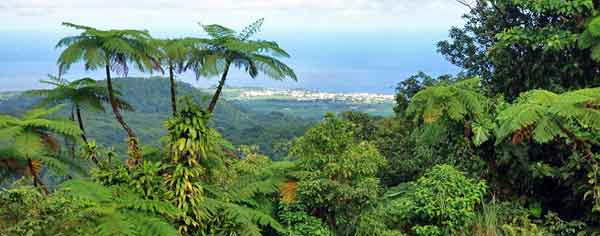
<point x="115" y="224"/>
<point x="252" y="29"/>
<point x="274" y="68"/>
<point x="79" y="188"/>
<point x="148" y="225"/>
<point x="29" y="145"/>
<point x="457" y="100"/>
<point x="42" y="112"/>
<point x="549" y="115"/>
<point x="217" y="31"/>
<point x="79" y="27"/>
<point x="10" y="132"/>
<point x="148" y="205"/>
<point x="242" y="216"/>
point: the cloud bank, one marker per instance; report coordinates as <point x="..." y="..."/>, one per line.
<point x="286" y="15"/>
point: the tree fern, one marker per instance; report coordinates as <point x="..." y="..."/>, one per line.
<point x="239" y="220"/>
<point x="81" y="207"/>
<point x="546" y="116"/>
<point x="243" y="205"/>
<point x="118" y="211"/>
<point x="173" y="55"/>
<point x="225" y="48"/>
<point x="460" y="102"/>
<point x="457" y="101"/>
<point x="114" y="51"/>
<point x="29" y="140"/>
<point x="81" y="93"/>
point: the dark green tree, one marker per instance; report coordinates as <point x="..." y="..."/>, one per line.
<point x="517" y="45"/>
<point x="338" y="177"/>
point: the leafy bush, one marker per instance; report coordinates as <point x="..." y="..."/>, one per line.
<point x="338" y="177"/>
<point x="558" y="227"/>
<point x="443" y="201"/>
<point x="299" y="223"/>
<point x="522" y="226"/>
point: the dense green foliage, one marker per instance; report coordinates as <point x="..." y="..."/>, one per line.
<point x="337" y="178"/>
<point x="510" y="146"/>
<point x="517" y="45"/>
<point x="443" y="202"/>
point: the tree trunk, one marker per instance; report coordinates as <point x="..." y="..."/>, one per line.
<point x="215" y="97"/>
<point x="115" y="108"/>
<point x="579" y="144"/>
<point x="68" y="142"/>
<point x="173" y="94"/>
<point x="80" y="121"/>
<point x="36" y="181"/>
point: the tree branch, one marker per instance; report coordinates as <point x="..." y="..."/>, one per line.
<point x="465" y="3"/>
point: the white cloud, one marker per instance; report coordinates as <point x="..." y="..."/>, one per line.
<point x="280" y="14"/>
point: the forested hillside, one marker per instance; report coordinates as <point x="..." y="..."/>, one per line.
<point x="150" y="100"/>
<point x="508" y="147"/>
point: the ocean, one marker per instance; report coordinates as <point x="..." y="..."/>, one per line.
<point x="329" y="62"/>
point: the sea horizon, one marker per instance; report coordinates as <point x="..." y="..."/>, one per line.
<point x="322" y="61"/>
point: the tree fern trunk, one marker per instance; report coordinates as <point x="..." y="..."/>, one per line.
<point x="80" y="122"/>
<point x="215" y="97"/>
<point x="83" y="137"/>
<point x="173" y="94"/>
<point x="68" y="142"/>
<point x="115" y="108"/>
<point x="578" y="144"/>
<point x="36" y="181"/>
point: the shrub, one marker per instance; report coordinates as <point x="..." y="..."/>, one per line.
<point x="299" y="223"/>
<point x="559" y="227"/>
<point x="443" y="201"/>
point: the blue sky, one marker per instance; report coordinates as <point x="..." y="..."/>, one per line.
<point x="336" y="45"/>
<point x="281" y="15"/>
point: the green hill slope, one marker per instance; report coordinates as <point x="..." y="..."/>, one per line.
<point x="150" y="98"/>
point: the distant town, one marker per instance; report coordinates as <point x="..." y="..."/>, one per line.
<point x="306" y="95"/>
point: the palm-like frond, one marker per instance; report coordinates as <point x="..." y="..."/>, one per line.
<point x="217" y="31"/>
<point x="176" y="52"/>
<point x="118" y="211"/>
<point x="225" y="48"/>
<point x="114" y="48"/>
<point x="243" y="220"/>
<point x="29" y="137"/>
<point x="273" y="68"/>
<point x="545" y="116"/>
<point x="456" y="101"/>
<point x="251" y="30"/>
<point x="244" y="204"/>
<point x="84" y="92"/>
